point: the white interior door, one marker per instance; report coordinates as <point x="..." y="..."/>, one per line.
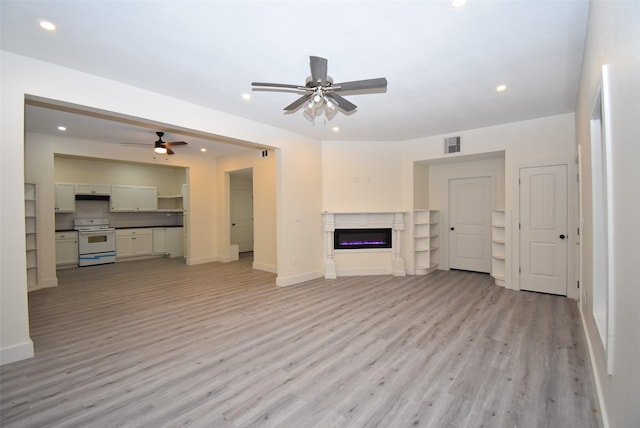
<point x="242" y="219"/>
<point x="543" y="229"/>
<point x="470" y="201"/>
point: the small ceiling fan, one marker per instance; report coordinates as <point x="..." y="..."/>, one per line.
<point x="160" y="146"/>
<point x="321" y="92"/>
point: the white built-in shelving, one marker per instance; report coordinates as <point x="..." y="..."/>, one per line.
<point x="498" y="246"/>
<point x="426" y="240"/>
<point x="169" y="203"/>
<point x="31" y="234"/>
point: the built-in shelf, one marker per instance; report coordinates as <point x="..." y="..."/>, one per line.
<point x="31" y="234"/>
<point x="498" y="246"/>
<point x="425" y="240"/>
<point x="172" y="203"/>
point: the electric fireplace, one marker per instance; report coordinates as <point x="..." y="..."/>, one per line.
<point x="344" y="239"/>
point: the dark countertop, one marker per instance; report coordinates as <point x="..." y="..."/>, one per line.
<point x="148" y="227"/>
<point x="128" y="227"/>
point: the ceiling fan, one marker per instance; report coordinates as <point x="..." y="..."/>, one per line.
<point x="322" y="93"/>
<point x="160" y="146"/>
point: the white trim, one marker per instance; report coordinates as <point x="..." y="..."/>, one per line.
<point x="15" y="353"/>
<point x="599" y="390"/>
<point x="201" y="260"/>
<point x="297" y="279"/>
<point x="46" y="283"/>
<point x="606" y="123"/>
<point x="264" y="267"/>
<point x="365" y="271"/>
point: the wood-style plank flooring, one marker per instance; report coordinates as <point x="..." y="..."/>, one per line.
<point x="156" y="343"/>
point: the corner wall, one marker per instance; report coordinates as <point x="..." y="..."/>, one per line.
<point x="613" y="37"/>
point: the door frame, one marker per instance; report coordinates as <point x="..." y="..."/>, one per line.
<point x="445" y="220"/>
<point x="572" y="181"/>
<point x="231" y="255"/>
<point x="492" y="206"/>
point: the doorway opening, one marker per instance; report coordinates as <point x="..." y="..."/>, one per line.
<point x="241" y="211"/>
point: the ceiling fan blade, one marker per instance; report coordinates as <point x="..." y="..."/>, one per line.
<point x="169" y="151"/>
<point x="342" y="102"/>
<point x="318" y="69"/>
<point x="297" y="103"/>
<point x="276" y="85"/>
<point x="136" y="144"/>
<point x="362" y="84"/>
<point x="176" y="143"/>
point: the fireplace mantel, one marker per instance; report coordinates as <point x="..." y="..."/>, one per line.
<point x="364" y="261"/>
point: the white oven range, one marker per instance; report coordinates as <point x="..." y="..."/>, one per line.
<point x="96" y="241"/>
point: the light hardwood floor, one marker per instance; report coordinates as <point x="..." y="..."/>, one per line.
<point x="156" y="343"/>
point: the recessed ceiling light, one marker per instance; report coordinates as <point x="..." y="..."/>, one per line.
<point x="62" y="128"/>
<point x="458" y="3"/>
<point x="48" y="25"/>
<point x="203" y="149"/>
<point x="501" y="88"/>
<point x="246" y="97"/>
<point x="335" y="129"/>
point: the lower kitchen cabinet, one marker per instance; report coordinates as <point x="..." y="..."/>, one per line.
<point x="66" y="249"/>
<point x="168" y="241"/>
<point x="133" y="242"/>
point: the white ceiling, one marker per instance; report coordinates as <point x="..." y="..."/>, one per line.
<point x="442" y="64"/>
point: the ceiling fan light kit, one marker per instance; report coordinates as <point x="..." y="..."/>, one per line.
<point x="321" y="96"/>
<point x="160" y="147"/>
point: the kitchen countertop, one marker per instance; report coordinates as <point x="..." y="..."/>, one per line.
<point x="128" y="227"/>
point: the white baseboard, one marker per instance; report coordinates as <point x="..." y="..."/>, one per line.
<point x="592" y="359"/>
<point x="265" y="267"/>
<point x="201" y="260"/>
<point x="15" y="353"/>
<point x="364" y="271"/>
<point x="46" y="283"/>
<point x="297" y="279"/>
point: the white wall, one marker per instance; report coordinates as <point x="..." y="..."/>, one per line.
<point x="167" y="178"/>
<point x="439" y="176"/>
<point x="613" y="37"/>
<point x="362" y="176"/>
<point x="264" y="206"/>
<point x="298" y="186"/>
<point x="535" y="142"/>
<point x="40" y="169"/>
<point x="379" y="176"/>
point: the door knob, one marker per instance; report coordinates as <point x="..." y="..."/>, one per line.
<point x="233" y="224"/>
<point x="453" y="228"/>
<point x="562" y="236"/>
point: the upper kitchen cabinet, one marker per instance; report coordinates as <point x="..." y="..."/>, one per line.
<point x="92" y="189"/>
<point x="65" y="198"/>
<point x="134" y="198"/>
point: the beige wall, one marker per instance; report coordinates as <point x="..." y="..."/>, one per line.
<point x="379" y="176"/>
<point x="168" y="179"/>
<point x="298" y="208"/>
<point x="613" y="38"/>
<point x="264" y="205"/>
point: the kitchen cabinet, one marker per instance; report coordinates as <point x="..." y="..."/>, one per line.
<point x="168" y="241"/>
<point x="92" y="189"/>
<point x="66" y="249"/>
<point x="133" y="242"/>
<point x="65" y="198"/>
<point x="134" y="198"/>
